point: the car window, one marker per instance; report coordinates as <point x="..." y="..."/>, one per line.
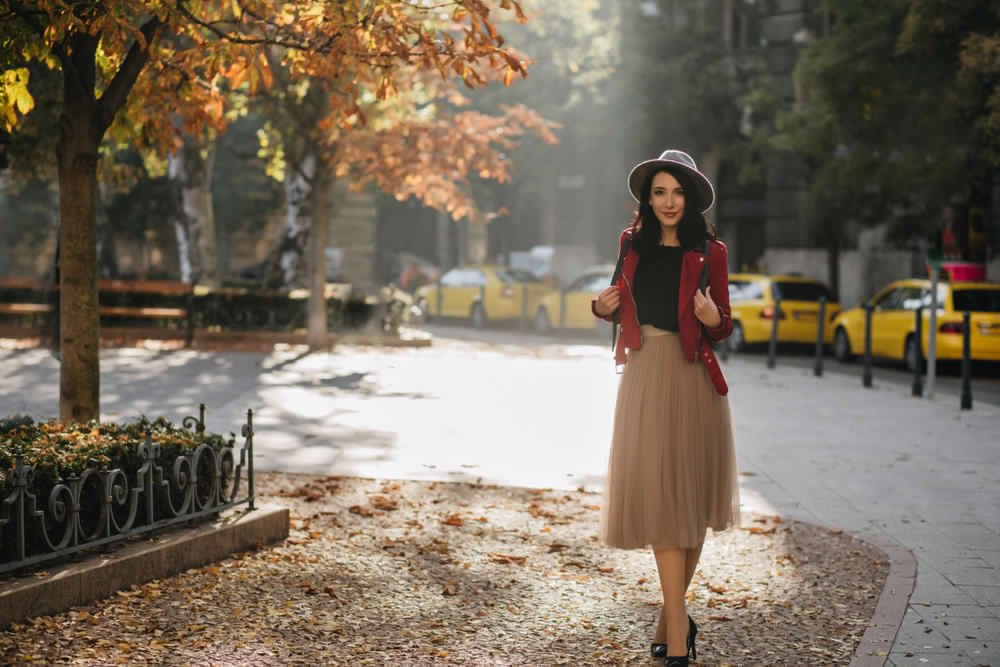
<point x="976" y="300"/>
<point x="517" y="276"/>
<point x="925" y="296"/>
<point x="890" y="300"/>
<point x="590" y="282"/>
<point x="452" y="279"/>
<point x="598" y="282"/>
<point x="744" y="290"/>
<point x="473" y="278"/>
<point x="795" y="291"/>
<point x="912" y="298"/>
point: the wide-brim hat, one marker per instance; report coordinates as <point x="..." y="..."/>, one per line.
<point x="673" y="160"/>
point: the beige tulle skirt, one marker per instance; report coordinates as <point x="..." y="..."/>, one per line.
<point x="672" y="467"/>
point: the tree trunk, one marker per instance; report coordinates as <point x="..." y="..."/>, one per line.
<point x="298" y="217"/>
<point x="190" y="175"/>
<point x="80" y="136"/>
<point x="316" y="335"/>
<point x="82" y="124"/>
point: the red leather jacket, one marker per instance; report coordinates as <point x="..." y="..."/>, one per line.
<point x="693" y="342"/>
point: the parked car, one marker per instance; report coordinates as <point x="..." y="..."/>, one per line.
<point x="894" y="326"/>
<point x="482" y="293"/>
<point x="752" y="298"/>
<point x="578" y="295"/>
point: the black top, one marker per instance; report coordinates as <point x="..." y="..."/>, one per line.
<point x="657" y="283"/>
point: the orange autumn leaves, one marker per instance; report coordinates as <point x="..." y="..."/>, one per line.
<point x="199" y="52"/>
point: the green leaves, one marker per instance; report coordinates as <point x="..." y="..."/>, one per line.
<point x="14" y="96"/>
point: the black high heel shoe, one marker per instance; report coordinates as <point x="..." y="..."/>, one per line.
<point x="676" y="661"/>
<point x="660" y="650"/>
<point x="692" y="634"/>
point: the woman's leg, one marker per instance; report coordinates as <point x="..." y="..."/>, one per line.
<point x="671" y="564"/>
<point x="691" y="558"/>
<point x="691" y="564"/>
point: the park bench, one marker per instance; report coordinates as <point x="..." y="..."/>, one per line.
<point x="119" y="300"/>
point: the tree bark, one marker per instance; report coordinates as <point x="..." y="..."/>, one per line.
<point x="316" y="335"/>
<point x="299" y="180"/>
<point x="190" y="175"/>
<point x="80" y="136"/>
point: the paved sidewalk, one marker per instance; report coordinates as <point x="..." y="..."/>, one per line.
<point x="875" y="462"/>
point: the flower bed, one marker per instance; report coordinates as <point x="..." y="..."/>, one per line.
<point x="72" y="486"/>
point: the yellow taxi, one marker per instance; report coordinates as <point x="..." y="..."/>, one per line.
<point x="576" y="300"/>
<point x="752" y="299"/>
<point x="894" y="322"/>
<point x="482" y="293"/>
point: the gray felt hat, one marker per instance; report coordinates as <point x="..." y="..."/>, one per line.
<point x="675" y="160"/>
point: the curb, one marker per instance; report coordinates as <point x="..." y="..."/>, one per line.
<point x="876" y="643"/>
<point x="159" y="556"/>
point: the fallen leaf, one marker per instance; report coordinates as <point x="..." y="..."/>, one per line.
<point x="361" y="511"/>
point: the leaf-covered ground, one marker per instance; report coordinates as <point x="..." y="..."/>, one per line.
<point x="422" y="573"/>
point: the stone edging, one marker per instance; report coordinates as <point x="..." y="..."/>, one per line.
<point x="875" y="645"/>
<point x="102" y="574"/>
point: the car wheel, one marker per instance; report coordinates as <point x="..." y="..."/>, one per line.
<point x="913" y="356"/>
<point x="736" y="341"/>
<point x="842" y="346"/>
<point x="477" y="316"/>
<point x="542" y="323"/>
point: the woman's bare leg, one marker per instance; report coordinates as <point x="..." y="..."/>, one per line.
<point x="671" y="564"/>
<point x="691" y="564"/>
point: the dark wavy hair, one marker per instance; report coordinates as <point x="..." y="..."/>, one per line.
<point x="693" y="228"/>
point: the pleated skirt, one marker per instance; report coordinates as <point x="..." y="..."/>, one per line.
<point x="672" y="467"/>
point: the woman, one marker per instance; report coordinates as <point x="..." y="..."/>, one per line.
<point x="672" y="468"/>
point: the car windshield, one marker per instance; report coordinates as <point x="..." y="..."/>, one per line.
<point x="796" y="291"/>
<point x="742" y="290"/>
<point x="517" y="276"/>
<point x="976" y="300"/>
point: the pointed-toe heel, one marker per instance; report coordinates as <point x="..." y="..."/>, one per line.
<point x="692" y="634"/>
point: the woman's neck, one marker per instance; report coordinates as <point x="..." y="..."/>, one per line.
<point x="669" y="237"/>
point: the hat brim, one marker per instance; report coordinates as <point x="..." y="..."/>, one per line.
<point x="639" y="173"/>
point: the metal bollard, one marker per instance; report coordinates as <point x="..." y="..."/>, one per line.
<point x="966" y="361"/>
<point x="772" y="348"/>
<point x="917" y="388"/>
<point x="866" y="377"/>
<point x="439" y="298"/>
<point x="723" y="349"/>
<point x="818" y="365"/>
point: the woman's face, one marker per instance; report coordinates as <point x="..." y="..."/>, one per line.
<point x="666" y="198"/>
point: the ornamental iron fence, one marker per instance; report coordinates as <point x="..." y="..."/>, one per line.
<point x="100" y="507"/>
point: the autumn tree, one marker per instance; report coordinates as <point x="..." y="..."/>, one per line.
<point x="120" y="76"/>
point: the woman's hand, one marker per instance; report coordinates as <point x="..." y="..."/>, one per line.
<point x="607" y="301"/>
<point x="705" y="309"/>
